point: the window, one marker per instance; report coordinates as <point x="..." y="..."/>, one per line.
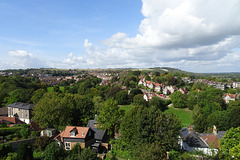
<point x="67" y="145"/>
<point x="72" y="134"/>
<point x="89" y="133"/>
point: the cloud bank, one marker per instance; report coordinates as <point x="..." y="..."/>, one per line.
<point x="194" y="35"/>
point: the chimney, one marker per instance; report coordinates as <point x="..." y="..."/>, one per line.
<point x="215" y="130"/>
<point x="82" y="133"/>
<point x="190" y="129"/>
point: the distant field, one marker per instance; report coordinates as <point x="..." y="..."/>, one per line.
<point x="50" y="89"/>
<point x="184" y="115"/>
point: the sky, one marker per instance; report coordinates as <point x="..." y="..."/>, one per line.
<point x="192" y="35"/>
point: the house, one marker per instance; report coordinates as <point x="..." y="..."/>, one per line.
<point x="208" y="143"/>
<point x="75" y="134"/>
<point x="158" y="87"/>
<point x="192" y="141"/>
<point x="22" y="111"/>
<point x="49" y="132"/>
<point x="236" y="85"/>
<point x="101" y="137"/>
<point x="229" y="97"/>
<point x="183" y="90"/>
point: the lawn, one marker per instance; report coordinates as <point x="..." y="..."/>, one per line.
<point x="126" y="108"/>
<point x="50" y="89"/>
<point x="184" y="115"/>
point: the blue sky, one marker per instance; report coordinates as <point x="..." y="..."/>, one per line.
<point x="198" y="36"/>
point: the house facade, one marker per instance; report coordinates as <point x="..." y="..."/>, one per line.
<point x="74" y="134"/>
<point x="22" y="111"/>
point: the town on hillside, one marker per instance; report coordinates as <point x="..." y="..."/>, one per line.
<point x="93" y="114"/>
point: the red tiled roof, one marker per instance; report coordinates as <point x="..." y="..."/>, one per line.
<point x="81" y="132"/>
<point x="211" y="140"/>
<point x="12" y="120"/>
<point x="230" y="95"/>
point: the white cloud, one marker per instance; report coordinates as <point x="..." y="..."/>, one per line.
<point x="189" y="34"/>
<point x="22" y="59"/>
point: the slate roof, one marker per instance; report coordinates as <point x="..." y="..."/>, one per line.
<point x="99" y="134"/>
<point x="220" y="134"/>
<point x="21" y="105"/>
<point x="91" y="123"/>
<point x="193" y="139"/>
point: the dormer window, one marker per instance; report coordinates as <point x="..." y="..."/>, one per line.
<point x="73" y="133"/>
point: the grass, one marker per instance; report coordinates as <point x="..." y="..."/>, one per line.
<point x="184" y="115"/>
<point x="50" y="89"/>
<point x="126" y="108"/>
<point x="37" y="154"/>
<point x="121" y="155"/>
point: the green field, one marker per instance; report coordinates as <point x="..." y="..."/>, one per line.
<point x="126" y="108"/>
<point x="50" y="89"/>
<point x="184" y="115"/>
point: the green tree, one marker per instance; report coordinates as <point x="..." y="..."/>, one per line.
<point x="52" y="111"/>
<point x="178" y="99"/>
<point x="234" y="117"/>
<point x="220" y="119"/>
<point x="42" y="142"/>
<point x="24" y="152"/>
<point x="54" y="152"/>
<point x="230" y="144"/>
<point x="122" y="97"/>
<point x="37" y="95"/>
<point x="88" y="154"/>
<point x="110" y="116"/>
<point x="158" y="102"/>
<point x="139" y="100"/>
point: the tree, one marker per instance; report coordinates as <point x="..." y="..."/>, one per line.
<point x="234" y="117"/>
<point x="20" y="95"/>
<point x="88" y="154"/>
<point x="42" y="142"/>
<point x="158" y="102"/>
<point x="110" y="116"/>
<point x="37" y="95"/>
<point x="220" y="119"/>
<point x="24" y="151"/>
<point x="122" y="97"/>
<point x="52" y="111"/>
<point x="134" y="92"/>
<point x="178" y="99"/>
<point x="139" y="100"/>
<point x="54" y="152"/>
<point x="150" y="152"/>
<point x="230" y="144"/>
<point x="142" y="125"/>
<point x="112" y="92"/>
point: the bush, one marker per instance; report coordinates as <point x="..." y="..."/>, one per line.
<point x="9" y="130"/>
<point x="5" y="149"/>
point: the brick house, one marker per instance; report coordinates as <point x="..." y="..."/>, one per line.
<point x="74" y="134"/>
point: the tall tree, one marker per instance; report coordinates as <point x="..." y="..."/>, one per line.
<point x="52" y="111"/>
<point x="110" y="116"/>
